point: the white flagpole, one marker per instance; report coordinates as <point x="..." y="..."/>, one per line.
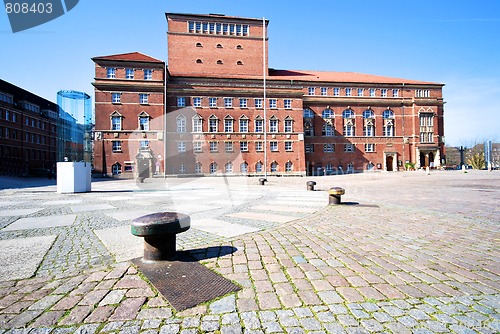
<point x="265" y="102"/>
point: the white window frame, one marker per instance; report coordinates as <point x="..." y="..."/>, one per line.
<point x="243" y="103"/>
<point x="212" y="102"/>
<point x="370" y="148"/>
<point x="336" y="91"/>
<point x="324" y="91"/>
<point x="116" y="98"/>
<point x="273" y="103"/>
<point x="243" y="125"/>
<point x="288" y="146"/>
<point x="311" y="90"/>
<point x="197" y="146"/>
<point x="288" y="126"/>
<point x="181" y="124"/>
<point x="129" y="73"/>
<point x="273" y="146"/>
<point x="111" y="73"/>
<point x="148" y="74"/>
<point x="228" y="102"/>
<point x="116" y="123"/>
<point x="259" y="125"/>
<point x="116" y="145"/>
<point x="144" y="98"/>
<point x="273" y="125"/>
<point x="144" y="123"/>
<point x="258" y="103"/>
<point x="197" y="124"/>
<point x="287" y="103"/>
<point x="243" y="146"/>
<point x="228" y="125"/>
<point x="181" y="146"/>
<point x="259" y="146"/>
<point x="228" y="147"/>
<point x="197" y="102"/>
<point x="214" y="146"/>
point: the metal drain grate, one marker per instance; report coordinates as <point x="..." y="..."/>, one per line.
<point x="185" y="283"/>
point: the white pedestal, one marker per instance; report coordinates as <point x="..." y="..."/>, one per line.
<point x="73" y="177"/>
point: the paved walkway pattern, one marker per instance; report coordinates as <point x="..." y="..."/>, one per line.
<point x="406" y="253"/>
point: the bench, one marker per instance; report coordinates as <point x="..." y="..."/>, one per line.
<point x="159" y="231"/>
<point x="335" y="195"/>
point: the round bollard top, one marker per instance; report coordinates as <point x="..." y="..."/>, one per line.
<point x="311" y="183"/>
<point x="336" y="191"/>
<point x="160" y="223"/>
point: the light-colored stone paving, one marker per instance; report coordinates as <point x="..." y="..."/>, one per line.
<point x="407" y="253"/>
<point x="40" y="222"/>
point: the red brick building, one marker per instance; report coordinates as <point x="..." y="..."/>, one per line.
<point x="28" y="132"/>
<point x="221" y="120"/>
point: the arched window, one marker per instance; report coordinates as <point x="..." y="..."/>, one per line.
<point x="198" y="45"/>
<point x="244" y="167"/>
<point x="239" y="62"/>
<point x="327" y="113"/>
<point x="199" y="61"/>
<point x="368" y="113"/>
<point x="219" y="62"/>
<point x="239" y="47"/>
<point x="116" y="169"/>
<point x="219" y="46"/>
<point x="388" y="114"/>
<point x="288" y="166"/>
<point x="259" y="167"/>
<point x="213" y="168"/>
<point x="197" y="168"/>
<point x="348" y="113"/>
<point x="274" y="166"/>
<point x="229" y="167"/>
<point x="308" y="113"/>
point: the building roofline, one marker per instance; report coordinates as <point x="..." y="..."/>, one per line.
<point x="215" y="17"/>
<point x="129" y="56"/>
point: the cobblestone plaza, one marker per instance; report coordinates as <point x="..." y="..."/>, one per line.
<point x="405" y="253"/>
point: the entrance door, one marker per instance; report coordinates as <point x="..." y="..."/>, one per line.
<point x="389" y="160"/>
<point x="143" y="167"/>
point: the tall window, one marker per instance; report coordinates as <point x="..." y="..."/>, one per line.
<point x="273" y="145"/>
<point x="288" y="166"/>
<point x="288" y="146"/>
<point x="368" y="130"/>
<point x="197" y="124"/>
<point x="244" y="167"/>
<point x="348" y="116"/>
<point x="144" y="123"/>
<point x="111" y="73"/>
<point x="348" y="91"/>
<point x="181" y="101"/>
<point x="143" y="98"/>
<point x="116" y="97"/>
<point x="228" y="102"/>
<point x="274" y="166"/>
<point x="369" y="148"/>
<point x="259" y="125"/>
<point x="258" y="103"/>
<point x="311" y="91"/>
<point x="288" y="125"/>
<point x="243" y="146"/>
<point x="388" y="116"/>
<point x="214" y="146"/>
<point x="426" y="127"/>
<point x="181" y="123"/>
<point x="395" y="92"/>
<point x="287" y="103"/>
<point x="273" y="124"/>
<point x="259" y="146"/>
<point x="213" y="168"/>
<point x="383" y="92"/>
<point x="372" y="92"/>
<point x="197" y="102"/>
<point x="129" y="73"/>
<point x="368" y="127"/>
<point x="116" y="123"/>
<point x="273" y="103"/>
<point x="323" y="91"/>
<point x="212" y="102"/>
<point x="228" y="124"/>
<point x="243" y="103"/>
<point x="181" y="146"/>
<point x="117" y="145"/>
<point x="336" y="91"/>
<point x="213" y="123"/>
<point x="360" y="91"/>
<point x="259" y="167"/>
<point x="229" y="167"/>
<point x="244" y="125"/>
<point x="228" y="146"/>
<point x="148" y="74"/>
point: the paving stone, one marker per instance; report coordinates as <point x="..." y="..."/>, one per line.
<point x="128" y="309"/>
<point x="224" y="305"/>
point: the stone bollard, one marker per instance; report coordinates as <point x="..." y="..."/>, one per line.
<point x="262" y="181"/>
<point x="159" y="231"/>
<point x="335" y="195"/>
<point x="310" y="185"/>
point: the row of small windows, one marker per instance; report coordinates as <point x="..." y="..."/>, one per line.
<point x="117" y="98"/>
<point x="7" y="98"/>
<point x="218" y="28"/>
<point x="219" y="46"/>
<point x="29" y="154"/>
<point x="372" y="92"/>
<point x="129" y="73"/>
<point x="219" y="62"/>
<point x="229" y="124"/>
<point x="336" y="91"/>
<point x="229" y="146"/>
<point x="330" y="148"/>
<point x="229" y="102"/>
<point x="13" y="117"/>
<point x="33" y="138"/>
<point x="143" y="121"/>
<point x="348" y="113"/>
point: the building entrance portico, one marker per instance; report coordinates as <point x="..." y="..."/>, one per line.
<point x="428" y="157"/>
<point x="390" y="160"/>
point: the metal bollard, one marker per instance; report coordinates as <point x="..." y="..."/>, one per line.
<point x="310" y="185"/>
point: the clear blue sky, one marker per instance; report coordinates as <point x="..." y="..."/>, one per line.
<point x="455" y="42"/>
